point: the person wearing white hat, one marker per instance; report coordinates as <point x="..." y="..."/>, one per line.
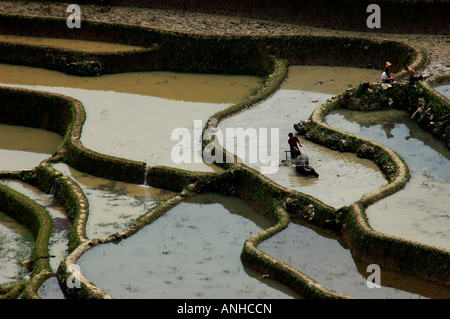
<point x="386" y="76"/>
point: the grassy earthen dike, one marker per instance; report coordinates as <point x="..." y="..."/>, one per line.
<point x="266" y="56"/>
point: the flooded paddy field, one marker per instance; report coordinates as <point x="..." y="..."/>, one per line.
<point x="113" y="205"/>
<point x="50" y="289"/>
<point x="444" y="89"/>
<point x="61" y="223"/>
<point x="193" y="251"/>
<point x="323" y="255"/>
<point x="16" y="245"/>
<point x="77" y="45"/>
<point x="139" y="125"/>
<point x="176" y="86"/>
<point x="25" y="147"/>
<point x="419" y="211"/>
<point x="344" y="177"/>
<point x="58" y="242"/>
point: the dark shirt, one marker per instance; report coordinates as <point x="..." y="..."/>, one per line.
<point x="293" y="142"/>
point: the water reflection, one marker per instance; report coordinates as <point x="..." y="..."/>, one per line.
<point x="127" y="118"/>
<point x="113" y="205"/>
<point x="193" y="251"/>
<point x="25" y="147"/>
<point x="323" y="255"/>
<point x="419" y="211"/>
<point x="444" y="90"/>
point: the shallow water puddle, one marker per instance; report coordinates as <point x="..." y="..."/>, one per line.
<point x="16" y="245"/>
<point x="78" y="45"/>
<point x="193" y="251"/>
<point x="113" y="205"/>
<point x="25" y="147"/>
<point x="58" y="243"/>
<point x="344" y="178"/>
<point x="323" y="256"/>
<point x="420" y="211"/>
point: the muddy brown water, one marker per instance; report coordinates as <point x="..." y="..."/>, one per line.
<point x="420" y="211"/>
<point x="25" y="147"/>
<point x="78" y="45"/>
<point x="328" y="80"/>
<point x="139" y="125"/>
<point x="177" y="86"/>
<point x="193" y="251"/>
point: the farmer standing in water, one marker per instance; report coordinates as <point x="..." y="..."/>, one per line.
<point x="294" y="143"/>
